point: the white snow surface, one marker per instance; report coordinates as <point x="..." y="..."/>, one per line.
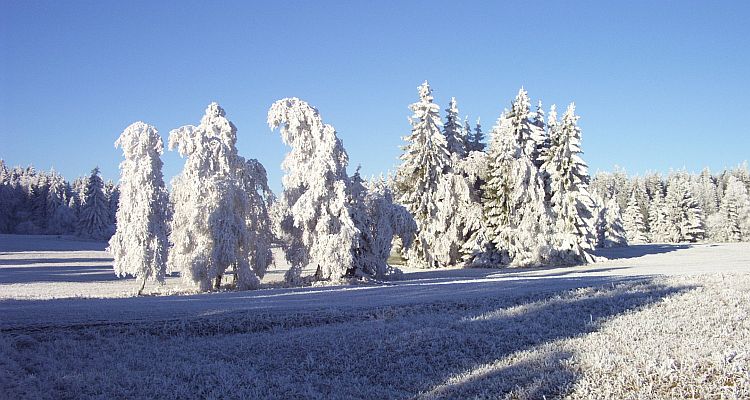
<point x="68" y="327"/>
<point x="78" y="275"/>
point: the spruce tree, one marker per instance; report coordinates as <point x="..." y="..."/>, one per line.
<point x="93" y="221"/>
<point x="476" y="140"/>
<point x="635" y="228"/>
<point x="518" y="225"/>
<point x="684" y="216"/>
<point x="610" y="230"/>
<point x="60" y="218"/>
<point x="426" y="158"/>
<point x="454" y="134"/>
<point x="571" y="202"/>
<point x="735" y="211"/>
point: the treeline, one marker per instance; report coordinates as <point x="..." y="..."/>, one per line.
<point x="681" y="207"/>
<point x="521" y="200"/>
<point x="40" y="202"/>
<point x="525" y="198"/>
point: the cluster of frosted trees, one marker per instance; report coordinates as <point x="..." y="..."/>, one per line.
<point x="39" y="202"/>
<point x="522" y="201"/>
<point x="221" y="217"/>
<point x="682" y="207"/>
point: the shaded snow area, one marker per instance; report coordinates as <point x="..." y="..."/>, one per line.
<point x="652" y="321"/>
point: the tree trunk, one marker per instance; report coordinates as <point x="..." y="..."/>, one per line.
<point x="218" y="282"/>
<point x="143" y="285"/>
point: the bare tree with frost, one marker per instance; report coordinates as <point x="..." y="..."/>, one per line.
<point x="313" y="212"/>
<point x="140" y="243"/>
<point x="218" y="210"/>
<point x="425" y="160"/>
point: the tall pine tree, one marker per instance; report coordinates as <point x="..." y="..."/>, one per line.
<point x="426" y="158"/>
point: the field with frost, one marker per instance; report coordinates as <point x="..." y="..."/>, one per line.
<point x="650" y="321"/>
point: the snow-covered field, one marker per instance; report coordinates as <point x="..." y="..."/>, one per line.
<point x="653" y="321"/>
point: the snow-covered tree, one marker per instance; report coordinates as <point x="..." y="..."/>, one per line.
<point x="735" y="212"/>
<point x="214" y="218"/>
<point x="659" y="226"/>
<point x="455" y="137"/>
<point x="60" y="218"/>
<point x="112" y="194"/>
<point x="139" y="245"/>
<point x="379" y="220"/>
<point x="610" y="230"/>
<point x="632" y="219"/>
<point x="705" y="188"/>
<point x="475" y="141"/>
<point x="568" y="178"/>
<point x="93" y="221"/>
<point x="312" y="212"/>
<point x="684" y="216"/>
<point x="425" y="160"/>
<point x="518" y="224"/>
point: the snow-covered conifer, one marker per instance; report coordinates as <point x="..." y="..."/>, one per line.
<point x="635" y="228"/>
<point x="425" y="160"/>
<point x="568" y="185"/>
<point x="139" y="245"/>
<point x="60" y="218"/>
<point x="735" y="211"/>
<point x="660" y="229"/>
<point x="313" y="211"/>
<point x="476" y="140"/>
<point x="684" y="216"/>
<point x="112" y="194"/>
<point x="454" y="134"/>
<point x="518" y="224"/>
<point x="611" y="232"/>
<point x="214" y="218"/>
<point x="93" y="221"/>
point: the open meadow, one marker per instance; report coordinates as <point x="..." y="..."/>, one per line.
<point x="648" y="321"/>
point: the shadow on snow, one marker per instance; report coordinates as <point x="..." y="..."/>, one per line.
<point x="433" y="339"/>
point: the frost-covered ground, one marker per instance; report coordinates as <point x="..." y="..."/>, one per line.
<point x="654" y="321"/>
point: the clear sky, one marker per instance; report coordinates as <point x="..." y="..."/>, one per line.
<point x="658" y="84"/>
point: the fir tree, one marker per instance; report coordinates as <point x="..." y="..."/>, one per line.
<point x="476" y="140"/>
<point x="735" y="212"/>
<point x="610" y="230"/>
<point x="94" y="216"/>
<point x="684" y="216"/>
<point x="568" y="185"/>
<point x="454" y="134"/>
<point x="635" y="228"/>
<point x="425" y="160"/>
<point x="60" y="218"/>
<point x="518" y="225"/>
<point x="139" y="245"/>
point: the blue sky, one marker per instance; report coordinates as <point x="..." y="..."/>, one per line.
<point x="658" y="85"/>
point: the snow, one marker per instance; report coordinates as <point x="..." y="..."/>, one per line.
<point x="449" y="333"/>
